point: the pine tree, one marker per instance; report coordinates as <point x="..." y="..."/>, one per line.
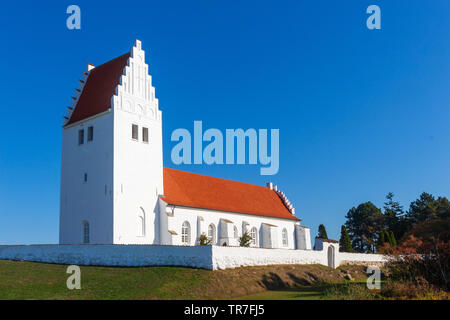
<point x="389" y="238"/>
<point x="381" y="239"/>
<point x="393" y="215"/>
<point x="345" y="243"/>
<point x="245" y="240"/>
<point x="393" y="241"/>
<point x="322" y="232"/>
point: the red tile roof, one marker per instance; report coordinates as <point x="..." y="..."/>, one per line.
<point x="195" y="190"/>
<point x="99" y="88"/>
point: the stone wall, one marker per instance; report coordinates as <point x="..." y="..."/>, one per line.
<point x="205" y="257"/>
<point x="112" y="255"/>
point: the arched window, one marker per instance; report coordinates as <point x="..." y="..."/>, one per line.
<point x="186" y="233"/>
<point x="236" y="235"/>
<point x="85" y="232"/>
<point x="254" y="236"/>
<point x="285" y="237"/>
<point x="212" y="233"/>
<point x="141" y="223"/>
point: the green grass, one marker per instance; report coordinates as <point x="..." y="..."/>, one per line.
<point x="324" y="291"/>
<point x="30" y="280"/>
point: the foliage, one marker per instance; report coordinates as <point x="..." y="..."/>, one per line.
<point x="322" y="232"/>
<point x="419" y="259"/>
<point x="203" y="240"/>
<point x="350" y="291"/>
<point x="363" y="225"/>
<point x="369" y="229"/>
<point x="417" y="289"/>
<point x="392" y="240"/>
<point x="245" y="240"/>
<point x="345" y="244"/>
<point x="393" y="215"/>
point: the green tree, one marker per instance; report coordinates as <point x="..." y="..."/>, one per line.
<point x="344" y="242"/>
<point x="393" y="213"/>
<point x="364" y="224"/>
<point x="322" y="232"/>
<point x="381" y="239"/>
<point x="245" y="240"/>
<point x="393" y="241"/>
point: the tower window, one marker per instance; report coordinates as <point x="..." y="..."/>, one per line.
<point x="90" y="133"/>
<point x="145" y="134"/>
<point x="81" y="136"/>
<point x="86" y="231"/>
<point x="134" y="131"/>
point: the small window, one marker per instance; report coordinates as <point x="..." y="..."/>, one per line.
<point x="81" y="136"/>
<point x="285" y="237"/>
<point x="253" y="235"/>
<point x="145" y="134"/>
<point x="186" y="233"/>
<point x="212" y="233"/>
<point x="85" y="177"/>
<point x="134" y="131"/>
<point x="90" y="134"/>
<point x="86" y="232"/>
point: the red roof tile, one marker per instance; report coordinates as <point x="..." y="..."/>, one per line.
<point x="99" y="88"/>
<point x="199" y="191"/>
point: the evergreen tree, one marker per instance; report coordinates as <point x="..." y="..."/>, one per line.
<point x="322" y="232"/>
<point x="393" y="213"/>
<point x="393" y="241"/>
<point x="245" y="240"/>
<point x="381" y="239"/>
<point x="345" y="243"/>
<point x="388" y="238"/>
<point x="364" y="225"/>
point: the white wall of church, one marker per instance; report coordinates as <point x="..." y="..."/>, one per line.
<point x="90" y="200"/>
<point x="200" y="219"/>
<point x="138" y="165"/>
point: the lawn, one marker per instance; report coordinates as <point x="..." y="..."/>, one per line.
<point x="31" y="280"/>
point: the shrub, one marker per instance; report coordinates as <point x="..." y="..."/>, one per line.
<point x="245" y="240"/>
<point x="203" y="240"/>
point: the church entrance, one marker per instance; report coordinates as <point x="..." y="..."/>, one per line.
<point x="331" y="256"/>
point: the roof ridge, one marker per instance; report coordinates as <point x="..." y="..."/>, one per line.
<point x="112" y="60"/>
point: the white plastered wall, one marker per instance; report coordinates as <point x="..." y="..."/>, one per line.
<point x="138" y="165"/>
<point x="92" y="200"/>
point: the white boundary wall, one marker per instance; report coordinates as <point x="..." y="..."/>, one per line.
<point x="112" y="255"/>
<point x="205" y="257"/>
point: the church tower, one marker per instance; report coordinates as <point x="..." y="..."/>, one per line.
<point x="112" y="166"/>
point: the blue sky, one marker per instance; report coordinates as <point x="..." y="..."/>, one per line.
<point x="361" y="112"/>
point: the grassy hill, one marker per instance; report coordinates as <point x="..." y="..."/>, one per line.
<point x="30" y="280"/>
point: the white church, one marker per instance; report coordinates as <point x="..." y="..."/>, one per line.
<point x="116" y="190"/>
<point x="121" y="207"/>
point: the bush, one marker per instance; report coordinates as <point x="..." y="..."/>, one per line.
<point x="417" y="289"/>
<point x="245" y="240"/>
<point x="203" y="240"/>
<point x="416" y="259"/>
